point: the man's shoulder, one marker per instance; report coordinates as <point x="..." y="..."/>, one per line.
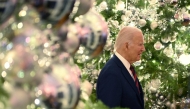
<point x="113" y="63"/>
<point x="110" y="65"/>
<point x="110" y="69"/>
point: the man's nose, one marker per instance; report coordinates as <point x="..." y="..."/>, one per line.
<point x="143" y="48"/>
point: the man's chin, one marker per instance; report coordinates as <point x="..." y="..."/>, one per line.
<point x="138" y="59"/>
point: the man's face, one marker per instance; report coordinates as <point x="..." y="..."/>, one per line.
<point x="136" y="47"/>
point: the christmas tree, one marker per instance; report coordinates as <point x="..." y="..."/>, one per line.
<point x="164" y="67"/>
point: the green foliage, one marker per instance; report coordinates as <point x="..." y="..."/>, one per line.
<point x="3" y="93"/>
<point x="98" y="105"/>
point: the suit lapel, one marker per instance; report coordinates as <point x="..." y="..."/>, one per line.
<point x="132" y="83"/>
<point x="129" y="78"/>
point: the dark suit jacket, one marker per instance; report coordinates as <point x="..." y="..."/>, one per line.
<point x="116" y="87"/>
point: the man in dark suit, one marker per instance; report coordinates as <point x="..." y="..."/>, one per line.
<point x="117" y="85"/>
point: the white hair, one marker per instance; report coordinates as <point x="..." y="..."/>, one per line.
<point x="125" y="35"/>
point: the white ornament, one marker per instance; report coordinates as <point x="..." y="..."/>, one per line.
<point x="137" y="63"/>
<point x="152" y="1"/>
<point x="86" y="87"/>
<point x="153" y="25"/>
<point x="183" y="47"/>
<point x="168" y="104"/>
<point x="161" y="97"/>
<point x="124" y="18"/>
<point x="142" y="22"/>
<point x="109" y="45"/>
<point x="153" y="90"/>
<point x="165" y="39"/>
<point x="120" y="5"/>
<point x="173" y="106"/>
<point x="172" y="38"/>
<point x="168" y="51"/>
<point x="103" y="5"/>
<point x="186" y="15"/>
<point x="158" y="45"/>
<point x="154" y="84"/>
<point x="115" y="23"/>
<point x="184" y="59"/>
<point x="128" y="13"/>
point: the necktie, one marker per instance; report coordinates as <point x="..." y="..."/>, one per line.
<point x="135" y="76"/>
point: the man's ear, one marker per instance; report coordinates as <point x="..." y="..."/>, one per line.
<point x="126" y="45"/>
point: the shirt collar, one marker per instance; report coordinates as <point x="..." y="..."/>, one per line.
<point x="123" y="60"/>
<point x="125" y="63"/>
